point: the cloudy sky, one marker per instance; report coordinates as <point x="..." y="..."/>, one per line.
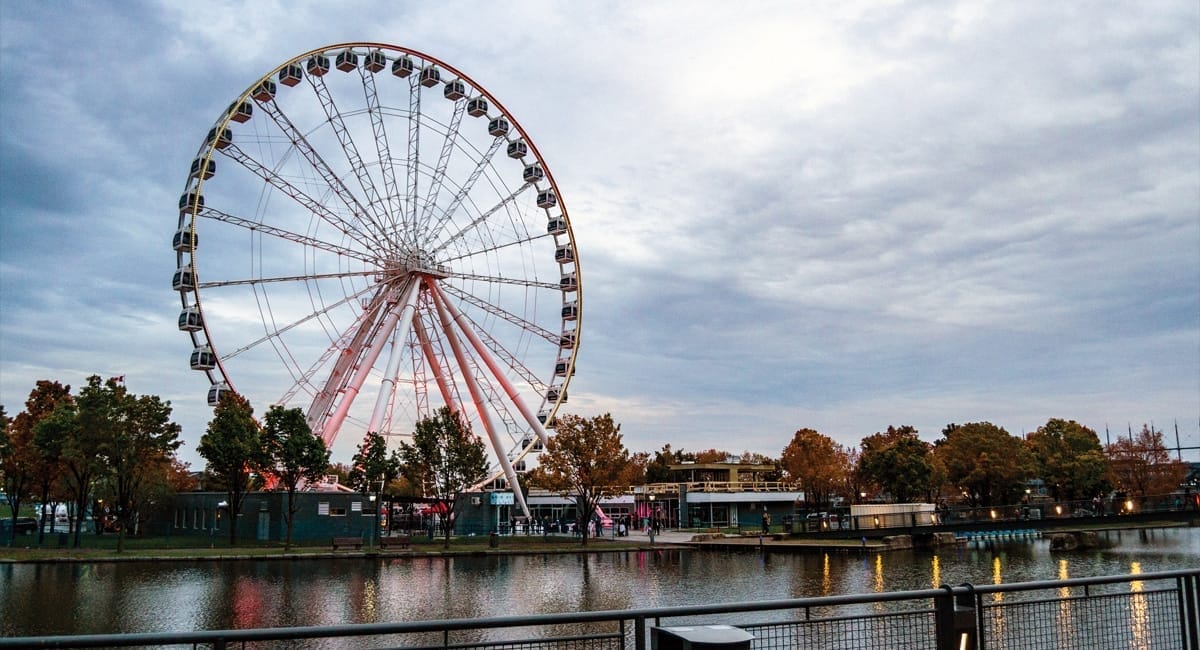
<point x="834" y="215"/>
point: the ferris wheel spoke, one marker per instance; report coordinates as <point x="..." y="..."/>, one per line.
<point x="482" y="218"/>
<point x="395" y="205"/>
<point x="365" y="181"/>
<point x="481" y="165"/>
<point x="350" y="228"/>
<point x="254" y="226"/>
<point x="414" y="155"/>
<point x="439" y="173"/>
<point x="523" y="323"/>
<point x="290" y="278"/>
<point x="314" y="158"/>
<point x="497" y="247"/>
<point x="279" y="331"/>
<point x="519" y="282"/>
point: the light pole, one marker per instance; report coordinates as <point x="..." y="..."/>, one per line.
<point x="216" y="522"/>
<point x="375" y="514"/>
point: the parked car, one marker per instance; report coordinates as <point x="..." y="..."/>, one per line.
<point x="26" y="525"/>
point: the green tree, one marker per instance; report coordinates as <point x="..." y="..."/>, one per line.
<point x="816" y="464"/>
<point x="587" y="460"/>
<point x="142" y="440"/>
<point x="444" y="460"/>
<point x="373" y="468"/>
<point x="899" y="462"/>
<point x="291" y="454"/>
<point x="232" y="446"/>
<point x="985" y="462"/>
<point x="658" y="469"/>
<point x="1068" y="457"/>
<point x="77" y="435"/>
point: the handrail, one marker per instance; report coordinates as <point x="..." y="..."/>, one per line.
<point x="225" y="637"/>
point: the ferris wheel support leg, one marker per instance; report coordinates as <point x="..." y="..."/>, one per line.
<point x="492" y="365"/>
<point x="363" y="368"/>
<point x="408" y="307"/>
<point x="485" y="415"/>
<point x="449" y="397"/>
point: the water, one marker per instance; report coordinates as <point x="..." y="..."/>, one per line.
<point x="181" y="596"/>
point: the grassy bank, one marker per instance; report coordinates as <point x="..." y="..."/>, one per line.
<point x="98" y="548"/>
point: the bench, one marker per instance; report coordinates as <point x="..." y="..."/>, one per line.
<point x="347" y="542"/>
<point x="398" y="541"/>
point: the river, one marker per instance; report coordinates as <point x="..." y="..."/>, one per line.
<point x="39" y="599"/>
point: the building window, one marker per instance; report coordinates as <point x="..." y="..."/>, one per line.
<point x="337" y="511"/>
<point x="323" y="508"/>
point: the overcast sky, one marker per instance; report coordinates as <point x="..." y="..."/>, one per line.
<point x="838" y="215"/>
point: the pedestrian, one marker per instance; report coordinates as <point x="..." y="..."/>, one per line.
<point x="766" y="522"/>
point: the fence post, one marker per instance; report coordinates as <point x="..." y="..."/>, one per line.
<point x="954" y="617"/>
<point x="639" y="633"/>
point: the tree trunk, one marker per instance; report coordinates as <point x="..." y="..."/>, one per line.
<point x="291" y="517"/>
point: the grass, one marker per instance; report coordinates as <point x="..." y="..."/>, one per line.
<point x="104" y="547"/>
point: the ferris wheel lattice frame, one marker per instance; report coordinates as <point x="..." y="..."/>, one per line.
<point x="360" y="212"/>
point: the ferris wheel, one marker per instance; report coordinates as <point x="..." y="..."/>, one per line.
<point x="368" y="234"/>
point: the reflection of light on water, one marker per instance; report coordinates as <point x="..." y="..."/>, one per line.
<point x="826" y="577"/>
<point x="1066" y="621"/>
<point x="936" y="572"/>
<point x="1139" y="610"/>
<point x="997" y="577"/>
<point x="878" y="572"/>
<point x="370" y="597"/>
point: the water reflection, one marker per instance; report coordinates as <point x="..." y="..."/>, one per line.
<point x="134" y="596"/>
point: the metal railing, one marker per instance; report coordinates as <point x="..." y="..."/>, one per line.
<point x="1149" y="611"/>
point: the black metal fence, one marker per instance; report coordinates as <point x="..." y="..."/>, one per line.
<point x="1149" y="611"/>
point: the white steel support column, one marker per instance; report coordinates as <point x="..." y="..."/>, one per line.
<point x="485" y="414"/>
<point x="408" y="306"/>
<point x="370" y="356"/>
<point x="493" y="366"/>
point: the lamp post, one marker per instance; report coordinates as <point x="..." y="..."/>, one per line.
<point x="375" y="514"/>
<point x="653" y="519"/>
<point x="216" y="522"/>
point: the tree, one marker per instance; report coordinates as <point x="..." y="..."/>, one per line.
<point x="985" y="462"/>
<point x="232" y="446"/>
<point x="76" y="434"/>
<point x="444" y="460"/>
<point x="27" y="471"/>
<point x="816" y="464"/>
<point x="291" y="453"/>
<point x="142" y="442"/>
<point x="586" y="460"/>
<point x="373" y="468"/>
<point x="1142" y="466"/>
<point x="1068" y="457"/>
<point x="899" y="462"/>
<point x="658" y="469"/>
<point x="46" y="469"/>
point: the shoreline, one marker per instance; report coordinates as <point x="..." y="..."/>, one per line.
<point x="518" y="545"/>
